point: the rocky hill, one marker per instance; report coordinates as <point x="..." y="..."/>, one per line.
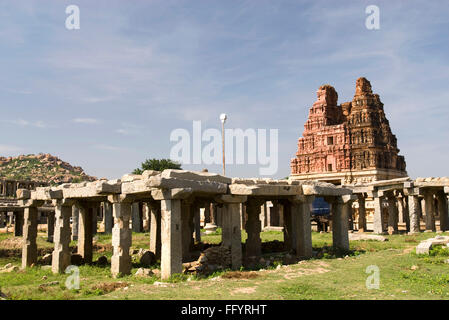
<point x="41" y="167"/>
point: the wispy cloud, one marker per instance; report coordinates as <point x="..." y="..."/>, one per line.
<point x="26" y="123"/>
<point x="86" y="120"/>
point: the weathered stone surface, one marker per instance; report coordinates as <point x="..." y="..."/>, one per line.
<point x="147" y="258"/>
<point x="195" y="175"/>
<point x="361" y="236"/>
<point x="425" y="246"/>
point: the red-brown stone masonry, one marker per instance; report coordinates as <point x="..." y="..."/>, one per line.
<point x="352" y="136"/>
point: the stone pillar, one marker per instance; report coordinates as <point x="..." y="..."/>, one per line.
<point x="213" y="214"/>
<point x="362" y="213"/>
<point x="263" y="215"/>
<point x="155" y="228"/>
<point x="61" y="253"/>
<point x="340" y="215"/>
<point x="414" y="208"/>
<point x="207" y="218"/>
<point x="171" y="256"/>
<point x="85" y="231"/>
<point x="429" y="205"/>
<point x="94" y="216"/>
<point x="2" y="220"/>
<point x="107" y="216"/>
<point x="136" y="219"/>
<point x="302" y="228"/>
<point x="392" y="215"/>
<point x="443" y="211"/>
<point x="378" y="217"/>
<point x="51" y="226"/>
<point x="197" y="222"/>
<point x="287" y="220"/>
<point x="75" y="222"/>
<point x="121" y="236"/>
<point x="29" y="247"/>
<point x="18" y="223"/>
<point x="253" y="245"/>
<point x="232" y="234"/>
<point x="187" y="228"/>
<point x="403" y="212"/>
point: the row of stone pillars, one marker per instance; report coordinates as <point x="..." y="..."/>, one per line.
<point x="408" y="207"/>
<point x="175" y="228"/>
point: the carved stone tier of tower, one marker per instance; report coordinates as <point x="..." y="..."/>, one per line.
<point x="348" y="143"/>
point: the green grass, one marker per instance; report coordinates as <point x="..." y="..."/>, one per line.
<point x="403" y="275"/>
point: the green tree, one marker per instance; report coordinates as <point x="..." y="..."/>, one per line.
<point x="158" y="165"/>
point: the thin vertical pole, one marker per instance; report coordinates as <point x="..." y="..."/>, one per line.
<point x="223" y="142"/>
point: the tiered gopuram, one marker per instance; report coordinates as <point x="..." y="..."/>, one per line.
<point x="348" y="143"/>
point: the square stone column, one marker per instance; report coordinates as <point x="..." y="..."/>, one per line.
<point x="253" y="228"/>
<point x="341" y="207"/>
<point x="362" y="212"/>
<point x="287" y="224"/>
<point x="263" y="215"/>
<point x="207" y="217"/>
<point x="302" y="228"/>
<point x="392" y="215"/>
<point x="94" y="209"/>
<point x="171" y="256"/>
<point x="232" y="234"/>
<point x="136" y="220"/>
<point x="121" y="236"/>
<point x="107" y="216"/>
<point x="187" y="228"/>
<point x="378" y="216"/>
<point x="19" y="223"/>
<point x="197" y="221"/>
<point x="75" y="222"/>
<point x="155" y="227"/>
<point x="61" y="253"/>
<point x="443" y="211"/>
<point x="429" y="207"/>
<point x="85" y="231"/>
<point x="50" y="226"/>
<point x="2" y="219"/>
<point x="29" y="246"/>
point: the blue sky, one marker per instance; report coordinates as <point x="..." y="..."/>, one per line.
<point x="107" y="96"/>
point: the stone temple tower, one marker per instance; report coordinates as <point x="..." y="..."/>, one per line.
<point x="348" y="143"/>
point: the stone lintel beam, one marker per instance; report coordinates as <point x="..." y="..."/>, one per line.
<point x="318" y="190"/>
<point x="227" y="198"/>
<point x="91" y="190"/>
<point x="168" y="194"/>
<point x="31" y="203"/>
<point x="196" y="186"/>
<point x="265" y="190"/>
<point x="46" y="194"/>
